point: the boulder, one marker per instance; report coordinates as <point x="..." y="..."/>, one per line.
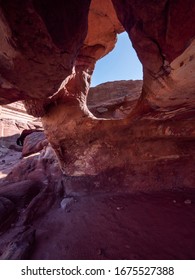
<point x="34" y="142"/>
<point x="20" y="193"/>
<point x="7" y="208"/>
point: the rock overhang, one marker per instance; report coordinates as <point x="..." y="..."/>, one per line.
<point x="51" y="71"/>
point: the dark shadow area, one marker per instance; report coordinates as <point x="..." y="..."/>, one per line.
<point x="10" y="154"/>
<point x="114" y="100"/>
<point x="119" y="226"/>
<point x="9" y="140"/>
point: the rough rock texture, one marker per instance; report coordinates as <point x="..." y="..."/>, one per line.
<point x="119" y="226"/>
<point x="21" y="247"/>
<point x="114" y="99"/>
<point x="42" y="211"/>
<point x="13" y="120"/>
<point x="8" y="157"/>
<point x="48" y="53"/>
<point x="166" y="52"/>
<point x="34" y="143"/>
<point x="30" y="188"/>
<point x="20" y="193"/>
<point x="92" y="146"/>
<point x="39" y="43"/>
<point x="49" y="65"/>
<point x="15" y="111"/>
<point x="7" y="209"/>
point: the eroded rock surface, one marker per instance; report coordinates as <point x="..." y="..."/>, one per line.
<point x="114" y="99"/>
<point x="51" y="70"/>
<point x="93" y="145"/>
<point x="13" y="120"/>
<point x="40" y="207"/>
<point x="34" y="143"/>
<point x="39" y="43"/>
<point x="48" y="53"/>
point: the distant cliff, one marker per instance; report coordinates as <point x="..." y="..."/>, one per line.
<point x="13" y="119"/>
<point x="114" y="99"/>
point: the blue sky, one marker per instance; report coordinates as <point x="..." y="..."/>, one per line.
<point x="120" y="64"/>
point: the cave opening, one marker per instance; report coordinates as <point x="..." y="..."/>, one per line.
<point x="116" y="82"/>
<point x="121" y="63"/>
<point x="114" y="184"/>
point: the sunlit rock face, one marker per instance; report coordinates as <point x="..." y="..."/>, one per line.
<point x="13" y="120"/>
<point x="48" y="54"/>
<point x="114" y="100"/>
<point x="166" y="51"/>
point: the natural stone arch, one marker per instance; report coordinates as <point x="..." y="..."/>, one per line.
<point x="58" y="79"/>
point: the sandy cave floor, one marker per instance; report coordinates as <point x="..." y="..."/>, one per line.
<point x="120" y="226"/>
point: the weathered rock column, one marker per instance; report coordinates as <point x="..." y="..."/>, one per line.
<point x="84" y="144"/>
<point x="68" y="123"/>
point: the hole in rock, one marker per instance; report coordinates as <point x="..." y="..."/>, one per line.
<point x="116" y="81"/>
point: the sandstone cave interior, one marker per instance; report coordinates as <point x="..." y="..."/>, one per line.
<point x="101" y="172"/>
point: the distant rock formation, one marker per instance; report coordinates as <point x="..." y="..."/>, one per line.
<point x="15" y="111"/>
<point x="114" y="99"/>
<point x="13" y="120"/>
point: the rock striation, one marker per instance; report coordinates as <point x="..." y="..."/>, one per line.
<point x="37" y="199"/>
<point x="114" y="99"/>
<point x="48" y="54"/>
<point x="13" y="120"/>
<point x="112" y="140"/>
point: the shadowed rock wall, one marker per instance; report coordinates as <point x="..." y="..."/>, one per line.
<point x="48" y="55"/>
